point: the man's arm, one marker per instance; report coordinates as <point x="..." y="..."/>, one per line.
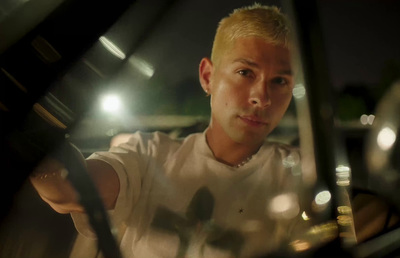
<point x="50" y="181"/>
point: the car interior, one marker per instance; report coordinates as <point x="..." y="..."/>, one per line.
<point x="93" y="73"/>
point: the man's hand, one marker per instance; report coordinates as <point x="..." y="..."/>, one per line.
<point x="50" y="179"/>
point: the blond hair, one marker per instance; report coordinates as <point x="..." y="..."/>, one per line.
<point x="266" y="22"/>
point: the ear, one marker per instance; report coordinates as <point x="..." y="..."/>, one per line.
<point x="205" y="74"/>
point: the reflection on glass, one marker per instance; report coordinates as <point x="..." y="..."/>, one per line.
<point x="344" y="209"/>
<point x="142" y="66"/>
<point x="315" y="236"/>
<point x="300" y="245"/>
<point x="343" y="175"/>
<point x="323" y="198"/>
<point x="284" y="205"/>
<point x="345" y="220"/>
<point x="327" y="231"/>
<point x="305" y="216"/>
<point x="110" y="46"/>
<point x="299" y="91"/>
<point x="111" y="103"/>
<point x="367" y="119"/>
<point x="386" y="138"/>
<point x="291" y="160"/>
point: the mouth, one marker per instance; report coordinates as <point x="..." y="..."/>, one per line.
<point x="253" y="121"/>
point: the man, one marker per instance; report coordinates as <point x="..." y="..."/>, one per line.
<point x="222" y="193"/>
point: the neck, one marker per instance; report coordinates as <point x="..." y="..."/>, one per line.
<point x="227" y="151"/>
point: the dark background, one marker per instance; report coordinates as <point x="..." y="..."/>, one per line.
<point x="361" y="46"/>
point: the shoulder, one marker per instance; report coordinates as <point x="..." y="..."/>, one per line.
<point x="149" y="142"/>
<point x="153" y="142"/>
<point x="289" y="155"/>
<point x="281" y="148"/>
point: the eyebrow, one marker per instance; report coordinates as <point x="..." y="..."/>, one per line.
<point x="288" y="72"/>
<point x="245" y="61"/>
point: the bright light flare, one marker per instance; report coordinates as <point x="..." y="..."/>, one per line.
<point x="299" y="91"/>
<point x="284" y="206"/>
<point x="291" y="160"/>
<point x="305" y="216"/>
<point x="142" y="66"/>
<point x="111" y="103"/>
<point x="343" y="175"/>
<point x="300" y="245"/>
<point x="323" y="198"/>
<point x="386" y="138"/>
<point x="110" y="46"/>
<point x="344" y="209"/>
<point x="367" y="119"/>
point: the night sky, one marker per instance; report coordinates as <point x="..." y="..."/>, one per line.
<point x="361" y="37"/>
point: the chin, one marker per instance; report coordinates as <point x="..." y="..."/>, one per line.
<point x="249" y="138"/>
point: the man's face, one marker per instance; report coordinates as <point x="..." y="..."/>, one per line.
<point x="251" y="89"/>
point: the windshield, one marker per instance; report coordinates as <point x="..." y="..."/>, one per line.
<point x="95" y="75"/>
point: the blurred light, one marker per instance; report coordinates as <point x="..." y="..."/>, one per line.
<point x="367" y="119"/>
<point x="300" y="245"/>
<point x="344" y="209"/>
<point x="343" y="170"/>
<point x="284" y="206"/>
<point x="281" y="203"/>
<point x="111" y="103"/>
<point x="144" y="67"/>
<point x="371" y="119"/>
<point x="323" y="197"/>
<point x="315" y="236"/>
<point x="299" y="91"/>
<point x="291" y="160"/>
<point x="64" y="173"/>
<point x="386" y="138"/>
<point x="343" y="175"/>
<point x="364" y="119"/>
<point x="112" y="132"/>
<point x="343" y="182"/>
<point x="305" y="216"/>
<point x="110" y="46"/>
<point x="344" y="220"/>
<point x="325" y="232"/>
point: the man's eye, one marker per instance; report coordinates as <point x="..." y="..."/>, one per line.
<point x="280" y="81"/>
<point x="244" y="72"/>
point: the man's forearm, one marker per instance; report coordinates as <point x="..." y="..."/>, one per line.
<point x="50" y="181"/>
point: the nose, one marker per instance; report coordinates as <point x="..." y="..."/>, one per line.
<point x="259" y="96"/>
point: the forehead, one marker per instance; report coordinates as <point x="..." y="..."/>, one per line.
<point x="258" y="51"/>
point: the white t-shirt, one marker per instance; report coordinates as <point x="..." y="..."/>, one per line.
<point x="177" y="200"/>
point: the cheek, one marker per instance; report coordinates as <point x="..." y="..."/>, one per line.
<point x="282" y="102"/>
<point x="227" y="92"/>
<point x="223" y="96"/>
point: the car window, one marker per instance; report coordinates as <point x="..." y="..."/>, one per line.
<point x="99" y="74"/>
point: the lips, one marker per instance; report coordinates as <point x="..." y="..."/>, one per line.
<point x="253" y="120"/>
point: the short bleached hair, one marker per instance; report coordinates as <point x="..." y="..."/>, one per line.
<point x="266" y="22"/>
